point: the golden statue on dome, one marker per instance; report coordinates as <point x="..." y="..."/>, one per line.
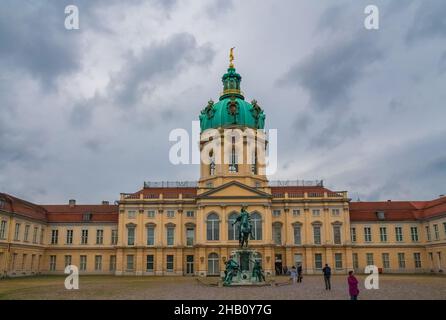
<point x="231" y="58"/>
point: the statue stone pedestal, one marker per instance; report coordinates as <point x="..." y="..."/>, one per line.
<point x="245" y="258"/>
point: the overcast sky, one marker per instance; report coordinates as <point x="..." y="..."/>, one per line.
<point x="86" y="113"/>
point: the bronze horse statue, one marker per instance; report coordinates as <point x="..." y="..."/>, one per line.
<point x="245" y="227"/>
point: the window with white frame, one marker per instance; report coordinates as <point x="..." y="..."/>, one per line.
<point x="99" y="236"/>
<point x="69" y="236"/>
<point x="369" y="259"/>
<point x="355" y="261"/>
<point x="316" y="212"/>
<point x="67" y="260"/>
<point x="318" y="261"/>
<point x="436" y="232"/>
<point x="277" y="233"/>
<point x="399" y="234"/>
<point x="36" y="229"/>
<point x="52" y="263"/>
<point x="383" y="234"/>
<point x="24" y="258"/>
<point x="151" y="214"/>
<point x="417" y="260"/>
<point x="17" y="231"/>
<point x="353" y="234"/>
<point x="401" y="260"/>
<point x="2" y="229"/>
<point x="42" y="235"/>
<point x="83" y="263"/>
<point x="190" y="214"/>
<point x="130" y="235"/>
<point x="112" y="266"/>
<point x="337" y="234"/>
<point x="232" y="229"/>
<point x="25" y="236"/>
<point x="114" y="237"/>
<point x="130" y="262"/>
<point x="213" y="227"/>
<point x="297" y="234"/>
<point x="335" y="212"/>
<point x="386" y="260"/>
<point x="428" y="233"/>
<point x="151" y="235"/>
<point x="338" y="260"/>
<point x="170" y="235"/>
<point x="150" y="263"/>
<point x="367" y="234"/>
<point x="98" y="263"/>
<point x="190" y="236"/>
<point x="414" y="234"/>
<point x="131" y="214"/>
<point x="54" y="236"/>
<point x="296" y="212"/>
<point x="256" y="223"/>
<point x="317" y="234"/>
<point x="171" y="213"/>
<point x="169" y="262"/>
<point x="84" y="237"/>
<point x="276" y="213"/>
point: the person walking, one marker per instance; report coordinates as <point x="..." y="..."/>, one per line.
<point x="299" y="273"/>
<point x="327" y="274"/>
<point x="293" y="274"/>
<point x="352" y="286"/>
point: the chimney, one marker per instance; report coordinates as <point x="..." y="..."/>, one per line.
<point x="105" y="203"/>
<point x="72" y="203"/>
<point x="389" y="200"/>
<point x="441" y="195"/>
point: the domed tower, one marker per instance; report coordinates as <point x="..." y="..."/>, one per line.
<point x="232" y="139"/>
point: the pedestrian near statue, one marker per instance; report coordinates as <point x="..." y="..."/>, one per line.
<point x="293" y="274"/>
<point x="352" y="286"/>
<point x="299" y="273"/>
<point x="327" y="275"/>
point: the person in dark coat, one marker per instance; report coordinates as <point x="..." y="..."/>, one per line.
<point x="299" y="273"/>
<point x="327" y="275"/>
<point x="352" y="286"/>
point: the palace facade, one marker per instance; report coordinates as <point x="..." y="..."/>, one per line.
<point x="186" y="228"/>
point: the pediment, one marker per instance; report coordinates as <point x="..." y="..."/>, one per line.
<point x="234" y="190"/>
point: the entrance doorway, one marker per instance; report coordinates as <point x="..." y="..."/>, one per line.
<point x="298" y="259"/>
<point x="278" y="264"/>
<point x="190" y="265"/>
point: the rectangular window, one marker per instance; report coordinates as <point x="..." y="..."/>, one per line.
<point x="316" y="212"/>
<point x="34" y="234"/>
<point x="25" y="237"/>
<point x="169" y="262"/>
<point x="428" y="233"/>
<point x="317" y="234"/>
<point x="170" y="214"/>
<point x="2" y="229"/>
<point x="190" y="236"/>
<point x="130" y="262"/>
<point x="383" y="234"/>
<point x="335" y="212"/>
<point x="417" y="260"/>
<point x="131" y="236"/>
<point x="52" y="263"/>
<point x="67" y="260"/>
<point x="112" y="266"/>
<point x="97" y="263"/>
<point x="151" y="214"/>
<point x="368" y="234"/>
<point x="369" y="259"/>
<point x="114" y="237"/>
<point x="436" y="232"/>
<point x="24" y="257"/>
<point x="337" y="234"/>
<point x="54" y="236"/>
<point x="17" y="231"/>
<point x="338" y="260"/>
<point x="353" y="234"/>
<point x="399" y="234"/>
<point x="87" y="216"/>
<point x="170" y="236"/>
<point x="131" y="214"/>
<point x="276" y="213"/>
<point x="150" y="263"/>
<point x="14" y="260"/>
<point x="33" y="261"/>
<point x="277" y="234"/>
<point x="386" y="261"/>
<point x="42" y="235"/>
<point x="355" y="261"/>
<point x="401" y="260"/>
<point x="70" y="236"/>
<point x="150" y="236"/>
<point x="414" y="234"/>
<point x="84" y="238"/>
<point x="190" y="214"/>
<point x="99" y="236"/>
<point x="83" y="263"/>
<point x="318" y="261"/>
<point x="297" y="234"/>
<point x="296" y="212"/>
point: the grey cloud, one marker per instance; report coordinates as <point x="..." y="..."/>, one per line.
<point x="428" y="21"/>
<point x="218" y="7"/>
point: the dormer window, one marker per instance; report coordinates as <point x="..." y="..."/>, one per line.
<point x="87" y="216"/>
<point x="2" y="203"/>
<point x="380" y="215"/>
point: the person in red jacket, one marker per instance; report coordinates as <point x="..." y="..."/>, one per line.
<point x="353" y="286"/>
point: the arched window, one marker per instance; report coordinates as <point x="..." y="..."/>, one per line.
<point x="232" y="230"/>
<point x="213" y="265"/>
<point x="213" y="227"/>
<point x="256" y="221"/>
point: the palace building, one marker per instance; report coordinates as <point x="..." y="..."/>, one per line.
<point x="185" y="228"/>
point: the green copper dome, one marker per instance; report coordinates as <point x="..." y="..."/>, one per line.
<point x="232" y="110"/>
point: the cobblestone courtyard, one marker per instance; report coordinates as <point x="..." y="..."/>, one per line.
<point x="109" y="287"/>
